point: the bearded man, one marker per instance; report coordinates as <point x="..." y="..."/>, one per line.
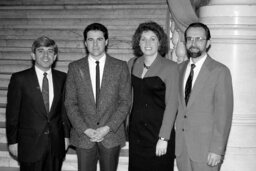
<point x="205" y="105"/>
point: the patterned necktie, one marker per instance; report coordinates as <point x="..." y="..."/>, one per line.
<point x="97" y="82"/>
<point x="188" y="86"/>
<point x="45" y="92"/>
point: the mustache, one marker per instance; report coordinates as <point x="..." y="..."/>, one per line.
<point x="191" y="48"/>
<point x="192" y="54"/>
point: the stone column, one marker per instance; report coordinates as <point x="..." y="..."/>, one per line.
<point x="233" y="28"/>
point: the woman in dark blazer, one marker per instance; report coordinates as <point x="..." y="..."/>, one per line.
<point x="155" y="92"/>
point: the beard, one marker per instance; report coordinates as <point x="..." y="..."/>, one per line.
<point x="193" y="54"/>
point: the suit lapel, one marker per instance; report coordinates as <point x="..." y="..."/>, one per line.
<point x="200" y="81"/>
<point x="181" y="82"/>
<point x="56" y="91"/>
<point x="35" y="88"/>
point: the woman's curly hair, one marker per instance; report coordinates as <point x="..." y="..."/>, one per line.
<point x="158" y="30"/>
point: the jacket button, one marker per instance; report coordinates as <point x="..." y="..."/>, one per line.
<point x="183" y="129"/>
<point x="185" y="116"/>
<point x="98" y="123"/>
<point x="46" y="132"/>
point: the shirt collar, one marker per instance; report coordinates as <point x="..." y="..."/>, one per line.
<point x="200" y="62"/>
<point x="101" y="60"/>
<point x="41" y="72"/>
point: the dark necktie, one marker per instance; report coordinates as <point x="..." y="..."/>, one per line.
<point x="189" y="83"/>
<point x="97" y="82"/>
<point x="45" y="92"/>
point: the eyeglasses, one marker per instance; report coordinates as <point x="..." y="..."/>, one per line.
<point x="196" y="39"/>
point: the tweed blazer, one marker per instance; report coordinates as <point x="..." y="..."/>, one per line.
<point x="204" y="124"/>
<point x="114" y="102"/>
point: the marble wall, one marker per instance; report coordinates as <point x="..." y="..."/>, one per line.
<point x="233" y="29"/>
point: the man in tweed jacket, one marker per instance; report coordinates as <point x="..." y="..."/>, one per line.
<point x="97" y="118"/>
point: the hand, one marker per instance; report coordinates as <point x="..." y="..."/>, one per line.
<point x="100" y="134"/>
<point x="91" y="133"/>
<point x="13" y="148"/>
<point x="66" y="143"/>
<point x="161" y="147"/>
<point x="213" y="159"/>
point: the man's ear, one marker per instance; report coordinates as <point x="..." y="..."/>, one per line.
<point x="106" y="42"/>
<point x="208" y="44"/>
<point x="33" y="56"/>
<point x="55" y="57"/>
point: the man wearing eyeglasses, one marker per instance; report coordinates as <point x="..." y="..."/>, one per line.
<point x="205" y="105"/>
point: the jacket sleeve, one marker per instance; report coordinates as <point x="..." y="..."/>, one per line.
<point x="65" y="121"/>
<point x="125" y="99"/>
<point x="223" y="111"/>
<point x="14" y="97"/>
<point x="171" y="101"/>
<point x="71" y="102"/>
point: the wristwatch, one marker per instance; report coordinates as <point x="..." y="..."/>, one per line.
<point x="164" y="139"/>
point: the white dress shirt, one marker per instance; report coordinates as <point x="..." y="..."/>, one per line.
<point x="196" y="71"/>
<point x="92" y="68"/>
<point x="40" y="76"/>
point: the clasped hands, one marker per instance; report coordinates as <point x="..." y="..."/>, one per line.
<point x="97" y="135"/>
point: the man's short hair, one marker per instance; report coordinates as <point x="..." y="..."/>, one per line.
<point x="45" y="42"/>
<point x="200" y="25"/>
<point x="96" y="27"/>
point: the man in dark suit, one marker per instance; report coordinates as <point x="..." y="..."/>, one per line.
<point x="36" y="120"/>
<point x="205" y="105"/>
<point x="98" y="98"/>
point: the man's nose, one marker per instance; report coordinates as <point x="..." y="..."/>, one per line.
<point x="45" y="53"/>
<point x="193" y="42"/>
<point x="95" y="43"/>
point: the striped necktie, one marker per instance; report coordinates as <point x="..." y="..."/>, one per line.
<point x="45" y="92"/>
<point x="188" y="86"/>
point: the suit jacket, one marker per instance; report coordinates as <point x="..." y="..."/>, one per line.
<point x="114" y="102"/>
<point x="27" y="121"/>
<point x="204" y="124"/>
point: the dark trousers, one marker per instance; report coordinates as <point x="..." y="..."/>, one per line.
<point x="88" y="158"/>
<point x="47" y="163"/>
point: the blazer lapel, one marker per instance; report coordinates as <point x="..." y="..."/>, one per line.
<point x="154" y="67"/>
<point x="106" y="78"/>
<point x="84" y="71"/>
<point x="200" y="81"/>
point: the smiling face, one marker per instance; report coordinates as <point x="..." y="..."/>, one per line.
<point x="44" y="57"/>
<point x="196" y="42"/>
<point x="149" y="43"/>
<point x="96" y="43"/>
